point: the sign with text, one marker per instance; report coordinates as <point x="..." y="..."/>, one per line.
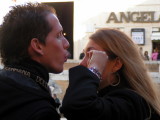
<point x="133" y="17"/>
<point x="138" y="35"/>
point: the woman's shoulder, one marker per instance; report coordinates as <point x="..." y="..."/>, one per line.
<point x="125" y="92"/>
<point x="126" y="95"/>
<point x="130" y="101"/>
<point x="121" y="95"/>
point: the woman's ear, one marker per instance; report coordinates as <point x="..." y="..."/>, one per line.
<point x="36" y="46"/>
<point x="118" y="64"/>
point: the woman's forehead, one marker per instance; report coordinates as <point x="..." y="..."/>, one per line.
<point x="91" y="45"/>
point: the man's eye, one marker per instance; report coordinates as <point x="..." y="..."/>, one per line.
<point x="59" y="35"/>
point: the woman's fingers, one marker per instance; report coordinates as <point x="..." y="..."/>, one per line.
<point x="97" y="59"/>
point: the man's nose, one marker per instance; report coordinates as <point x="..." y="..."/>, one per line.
<point x="66" y="43"/>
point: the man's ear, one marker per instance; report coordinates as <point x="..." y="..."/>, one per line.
<point x="118" y="64"/>
<point x="36" y="46"/>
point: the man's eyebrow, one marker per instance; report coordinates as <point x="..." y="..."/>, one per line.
<point x="61" y="31"/>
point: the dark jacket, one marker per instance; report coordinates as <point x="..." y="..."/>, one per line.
<point x="83" y="102"/>
<point x="22" y="98"/>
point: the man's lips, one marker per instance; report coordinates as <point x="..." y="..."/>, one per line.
<point x="65" y="59"/>
<point x="68" y="55"/>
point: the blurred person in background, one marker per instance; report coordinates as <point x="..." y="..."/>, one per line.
<point x="57" y="101"/>
<point x="154" y="55"/>
<point x="146" y="56"/>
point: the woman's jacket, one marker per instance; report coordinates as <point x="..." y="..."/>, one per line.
<point x="82" y="100"/>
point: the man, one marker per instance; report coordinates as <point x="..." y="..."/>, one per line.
<point x="57" y="101"/>
<point x="31" y="46"/>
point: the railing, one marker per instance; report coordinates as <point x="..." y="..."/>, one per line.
<point x="153" y="67"/>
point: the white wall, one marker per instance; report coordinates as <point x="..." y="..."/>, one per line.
<point x="91" y="15"/>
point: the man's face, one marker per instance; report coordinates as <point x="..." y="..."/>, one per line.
<point x="55" y="49"/>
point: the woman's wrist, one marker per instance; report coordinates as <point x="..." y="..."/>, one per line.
<point x="96" y="72"/>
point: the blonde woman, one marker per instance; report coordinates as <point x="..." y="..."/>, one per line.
<point x="111" y="82"/>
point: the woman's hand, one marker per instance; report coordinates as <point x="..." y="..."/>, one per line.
<point x="97" y="59"/>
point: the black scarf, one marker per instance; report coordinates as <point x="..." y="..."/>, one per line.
<point x="34" y="68"/>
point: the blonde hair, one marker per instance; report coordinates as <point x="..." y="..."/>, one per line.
<point x="134" y="69"/>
